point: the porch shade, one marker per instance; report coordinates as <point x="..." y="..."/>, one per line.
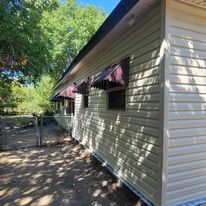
<point x="56" y="98"/>
<point x="68" y="92"/>
<point x="82" y="87"/>
<point x="114" y="75"/>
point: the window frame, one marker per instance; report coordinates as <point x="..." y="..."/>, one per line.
<point x="119" y="88"/>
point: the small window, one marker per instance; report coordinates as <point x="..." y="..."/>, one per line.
<point x="58" y="106"/>
<point x="117" y="99"/>
<point x="86" y="101"/>
<point x="70" y="107"/>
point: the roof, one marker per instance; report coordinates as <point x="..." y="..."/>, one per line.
<point x="114" y="18"/>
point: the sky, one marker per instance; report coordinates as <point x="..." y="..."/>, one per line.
<point x="108" y="5"/>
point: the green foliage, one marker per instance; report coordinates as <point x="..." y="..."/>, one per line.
<point x="44" y="92"/>
<point x="10" y="94"/>
<point x="36" y="99"/>
<point x="29" y="99"/>
<point x="22" y="46"/>
<point x="39" y="37"/>
<point x="67" y="29"/>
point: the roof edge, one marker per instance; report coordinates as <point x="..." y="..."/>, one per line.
<point x="114" y="18"/>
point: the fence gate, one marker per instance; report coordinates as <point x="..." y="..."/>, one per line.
<point x="54" y="130"/>
<point x="27" y="131"/>
<point x="18" y="132"/>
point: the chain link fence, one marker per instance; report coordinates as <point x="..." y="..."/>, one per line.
<point x="28" y="131"/>
<point x="18" y="132"/>
<point x="54" y="130"/>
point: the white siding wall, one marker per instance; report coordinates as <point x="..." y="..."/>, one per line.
<point x="127" y="140"/>
<point x="186" y="178"/>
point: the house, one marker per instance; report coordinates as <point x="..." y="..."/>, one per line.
<point x="140" y="98"/>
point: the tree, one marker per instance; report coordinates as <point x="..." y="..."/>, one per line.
<point x="39" y="37"/>
<point x="67" y="29"/>
<point x="23" y="50"/>
<point x="10" y="94"/>
<point x="36" y="99"/>
<point x="44" y="92"/>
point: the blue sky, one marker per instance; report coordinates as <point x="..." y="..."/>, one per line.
<point x="108" y="5"/>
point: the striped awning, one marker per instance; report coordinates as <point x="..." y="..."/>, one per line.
<point x="68" y="92"/>
<point x="116" y="74"/>
<point x="82" y="87"/>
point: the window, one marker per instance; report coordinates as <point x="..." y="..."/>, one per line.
<point x="58" y="106"/>
<point x="70" y="107"/>
<point x="86" y="101"/>
<point x="117" y="99"/>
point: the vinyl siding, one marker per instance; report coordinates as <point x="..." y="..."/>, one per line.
<point x="186" y="178"/>
<point x="127" y="140"/>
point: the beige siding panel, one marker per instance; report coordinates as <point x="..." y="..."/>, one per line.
<point x="188" y="52"/>
<point x="188" y="80"/>
<point x="186" y="179"/>
<point x="127" y="140"/>
<point x="181" y="124"/>
<point x="200" y="98"/>
<point x="188" y="71"/>
<point x="185" y="106"/>
<point x="186" y="174"/>
<point x="185" y="115"/>
<point x="143" y="90"/>
<point x="133" y="151"/>
<point x="187" y="132"/>
<point x="188" y="141"/>
<point x="185" y="88"/>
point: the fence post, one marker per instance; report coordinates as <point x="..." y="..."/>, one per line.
<point x="1" y="134"/>
<point x="41" y="130"/>
<point x="36" y="122"/>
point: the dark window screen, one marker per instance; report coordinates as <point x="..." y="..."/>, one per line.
<point x="70" y="108"/>
<point x="86" y="101"/>
<point x="117" y="99"/>
<point x="58" y="106"/>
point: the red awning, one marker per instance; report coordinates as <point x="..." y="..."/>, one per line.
<point x="116" y="74"/>
<point x="68" y="92"/>
<point x="82" y="87"/>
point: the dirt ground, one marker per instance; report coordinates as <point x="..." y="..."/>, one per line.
<point x="60" y="175"/>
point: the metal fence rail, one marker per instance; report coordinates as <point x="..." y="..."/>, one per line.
<point x="27" y="131"/>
